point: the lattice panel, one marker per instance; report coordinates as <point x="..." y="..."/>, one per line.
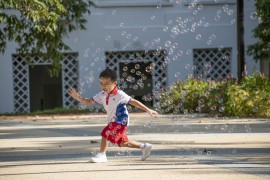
<point x="21" y="84"/>
<point x="21" y="80"/>
<point x="156" y="57"/>
<point x="212" y="64"/>
<point x="69" y="78"/>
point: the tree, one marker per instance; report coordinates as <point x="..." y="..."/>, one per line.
<point x="39" y="27"/>
<point x="261" y="49"/>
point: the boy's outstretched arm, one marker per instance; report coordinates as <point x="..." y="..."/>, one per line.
<point x="141" y="106"/>
<point x="76" y="95"/>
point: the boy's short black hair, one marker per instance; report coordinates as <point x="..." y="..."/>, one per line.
<point x="108" y="73"/>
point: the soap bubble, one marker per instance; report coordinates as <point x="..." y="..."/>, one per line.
<point x="166" y="28"/>
<point x="255" y="109"/>
<point x="135" y="87"/>
<point x="222" y="109"/>
<point x="253" y="15"/>
<point x="198" y="37"/>
<point x="187" y="66"/>
<point x="200" y="7"/>
<point x="125" y="68"/>
<point x="217" y="17"/>
<point x="153" y="18"/>
<point x="148" y="69"/>
<point x="122" y="24"/>
<point x="108" y="38"/>
<point x="138" y="73"/>
<point x="189" y="52"/>
<point x="137" y="66"/>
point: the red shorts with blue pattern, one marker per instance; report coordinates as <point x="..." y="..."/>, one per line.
<point x="115" y="133"/>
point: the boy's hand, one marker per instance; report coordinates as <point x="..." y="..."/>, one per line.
<point x="152" y="112"/>
<point x="74" y="93"/>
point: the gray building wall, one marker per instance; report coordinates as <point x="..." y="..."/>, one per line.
<point x="146" y="25"/>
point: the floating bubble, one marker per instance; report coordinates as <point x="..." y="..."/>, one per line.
<point x="138" y="73"/>
<point x="187" y="66"/>
<point x="225" y="7"/>
<point x="200" y="7"/>
<point x="253" y="15"/>
<point x="125" y="68"/>
<point x="220" y="48"/>
<point x="220" y="100"/>
<point x="230" y="12"/>
<point x="255" y="109"/>
<point x="159" y="6"/>
<point x="168" y="43"/>
<point x="213" y="108"/>
<point x="225" y="57"/>
<point x="113" y="12"/>
<point x="166" y="28"/>
<point x="108" y="38"/>
<point x="122" y="24"/>
<point x="180" y="53"/>
<point x="124" y="86"/>
<point x="232" y="21"/>
<point x="153" y="18"/>
<point x="209" y="42"/>
<point x="170" y="21"/>
<point x="217" y="17"/>
<point x="123" y="33"/>
<point x="201" y="101"/>
<point x="81" y="106"/>
<point x="222" y="109"/>
<point x="86" y="52"/>
<point x="198" y="36"/>
<point x="135" y="87"/>
<point x="212" y="37"/>
<point x="195" y="12"/>
<point x="189" y="52"/>
<point x="148" y="69"/>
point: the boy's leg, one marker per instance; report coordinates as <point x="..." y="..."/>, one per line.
<point x="131" y="144"/>
<point x="103" y="146"/>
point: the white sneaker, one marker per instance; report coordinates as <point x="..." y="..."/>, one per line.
<point x="99" y="158"/>
<point x="146" y="150"/>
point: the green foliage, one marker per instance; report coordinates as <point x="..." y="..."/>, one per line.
<point x="261" y="49"/>
<point x="250" y="98"/>
<point x="38" y="27"/>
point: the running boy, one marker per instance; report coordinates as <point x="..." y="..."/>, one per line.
<point x="114" y="101"/>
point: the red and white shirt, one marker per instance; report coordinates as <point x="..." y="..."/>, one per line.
<point x="115" y="105"/>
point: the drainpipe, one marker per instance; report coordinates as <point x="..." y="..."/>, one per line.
<point x="240" y="39"/>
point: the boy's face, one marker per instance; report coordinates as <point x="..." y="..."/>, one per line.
<point x="107" y="85"/>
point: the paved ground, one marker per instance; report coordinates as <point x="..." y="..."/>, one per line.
<point x="184" y="148"/>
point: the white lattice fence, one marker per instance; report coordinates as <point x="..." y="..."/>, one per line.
<point x="157" y="57"/>
<point x="21" y="80"/>
<point x="212" y="63"/>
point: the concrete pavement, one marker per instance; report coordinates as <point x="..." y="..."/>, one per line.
<point x="59" y="147"/>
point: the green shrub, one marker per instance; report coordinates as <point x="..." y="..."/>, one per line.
<point x="250" y="98"/>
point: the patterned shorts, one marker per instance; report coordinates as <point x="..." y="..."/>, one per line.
<point x="115" y="133"/>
